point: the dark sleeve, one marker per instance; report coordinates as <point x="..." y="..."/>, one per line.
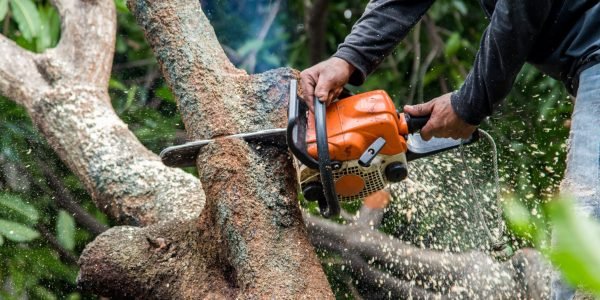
<point x="505" y="46"/>
<point x="381" y="27"/>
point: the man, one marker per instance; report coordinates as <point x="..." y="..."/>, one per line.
<point x="560" y="37"/>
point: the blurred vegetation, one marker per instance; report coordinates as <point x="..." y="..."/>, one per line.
<point x="40" y="240"/>
<point x="572" y="246"/>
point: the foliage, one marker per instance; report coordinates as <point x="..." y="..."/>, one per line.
<point x="574" y="242"/>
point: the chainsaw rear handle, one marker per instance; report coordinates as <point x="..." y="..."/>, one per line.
<point x="415" y="123"/>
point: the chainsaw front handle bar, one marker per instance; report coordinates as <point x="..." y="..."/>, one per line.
<point x="332" y="205"/>
<point x="296" y="140"/>
<point x="296" y="128"/>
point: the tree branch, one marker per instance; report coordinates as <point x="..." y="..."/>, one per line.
<point x="459" y="274"/>
<point x="18" y="72"/>
<point x="66" y="201"/>
<point x="65" y="93"/>
<point x="86" y="27"/>
<point x="62" y="251"/>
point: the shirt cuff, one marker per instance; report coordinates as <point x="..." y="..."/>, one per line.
<point x="358" y="61"/>
<point x="461" y="107"/>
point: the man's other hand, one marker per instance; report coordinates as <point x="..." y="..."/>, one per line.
<point x="444" y="122"/>
<point x="325" y="80"/>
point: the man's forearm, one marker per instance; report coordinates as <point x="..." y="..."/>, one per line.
<point x="504" y="48"/>
<point x="382" y="26"/>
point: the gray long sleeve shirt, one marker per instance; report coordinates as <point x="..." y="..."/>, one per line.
<point x="559" y="37"/>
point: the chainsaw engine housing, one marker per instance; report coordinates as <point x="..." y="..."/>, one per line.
<point x="354" y="124"/>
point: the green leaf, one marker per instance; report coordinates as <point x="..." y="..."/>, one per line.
<point x="3" y="9"/>
<point x="117" y="85"/>
<point x="1" y="240"/>
<point x="27" y="17"/>
<point x="49" y="28"/>
<point x="452" y="45"/>
<point x="42" y="293"/>
<point x="460" y="6"/>
<point x="164" y="93"/>
<point x="65" y="230"/>
<point x="575" y="251"/>
<point x="17" y="232"/>
<point x="518" y="217"/>
<point x="11" y="204"/>
<point x="121" y="6"/>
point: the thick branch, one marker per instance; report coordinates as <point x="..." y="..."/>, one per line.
<point x="214" y="97"/>
<point x="471" y="274"/>
<point x="70" y="105"/>
<point x="126" y="181"/>
<point x="87" y="39"/>
<point x="18" y="72"/>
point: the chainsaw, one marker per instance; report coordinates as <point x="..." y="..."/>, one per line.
<point x="342" y="152"/>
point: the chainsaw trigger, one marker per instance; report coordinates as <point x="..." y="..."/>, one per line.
<point x="367" y="157"/>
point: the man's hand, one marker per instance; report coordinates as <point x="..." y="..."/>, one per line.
<point x="325" y="80"/>
<point x="444" y="122"/>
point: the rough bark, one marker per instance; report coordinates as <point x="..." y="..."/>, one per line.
<point x="253" y="241"/>
<point x="65" y="91"/>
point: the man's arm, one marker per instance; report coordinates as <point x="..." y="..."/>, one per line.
<point x="381" y="27"/>
<point x="505" y="46"/>
<point x="383" y="24"/>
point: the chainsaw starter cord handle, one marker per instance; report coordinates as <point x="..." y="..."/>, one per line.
<point x="332" y="205"/>
<point x="415" y="123"/>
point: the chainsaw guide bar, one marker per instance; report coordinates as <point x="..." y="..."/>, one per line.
<point x="185" y="155"/>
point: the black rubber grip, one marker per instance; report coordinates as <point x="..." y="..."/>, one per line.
<point x="333" y="206"/>
<point x="415" y="123"/>
<point x="296" y="128"/>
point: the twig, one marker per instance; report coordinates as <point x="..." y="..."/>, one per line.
<point x="414" y="76"/>
<point x="233" y="56"/>
<point x="65" y="200"/>
<point x="437" y="47"/>
<point x="150" y="77"/>
<point x="64" y="253"/>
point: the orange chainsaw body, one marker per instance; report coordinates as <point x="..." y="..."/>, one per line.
<point x="354" y="123"/>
